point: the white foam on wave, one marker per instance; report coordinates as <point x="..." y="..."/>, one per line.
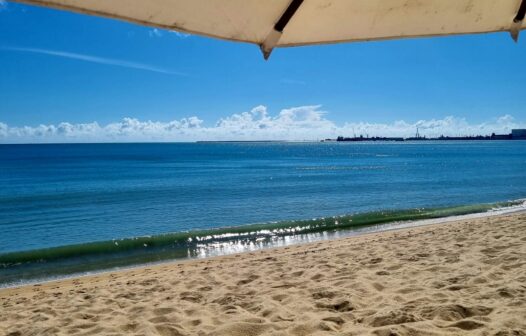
<point x="422" y="222"/>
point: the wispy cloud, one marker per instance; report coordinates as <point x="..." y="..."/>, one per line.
<point x="3" y="5"/>
<point x="155" y="32"/>
<point x="180" y="34"/>
<point x="94" y="59"/>
<point x="296" y="123"/>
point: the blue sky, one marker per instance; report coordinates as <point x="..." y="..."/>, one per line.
<point x="59" y="67"/>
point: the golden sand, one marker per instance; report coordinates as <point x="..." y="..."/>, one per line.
<point x="465" y="277"/>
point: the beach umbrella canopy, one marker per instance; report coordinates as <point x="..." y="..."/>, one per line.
<point x="286" y="23"/>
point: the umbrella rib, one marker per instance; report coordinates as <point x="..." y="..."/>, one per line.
<point x="517" y="21"/>
<point x="289" y="13"/>
<point x="273" y="37"/>
<point x="521" y="12"/>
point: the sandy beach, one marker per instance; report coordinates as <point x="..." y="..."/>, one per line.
<point x="464" y="277"/>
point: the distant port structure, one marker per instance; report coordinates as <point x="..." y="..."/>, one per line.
<point x="519" y="134"/>
<point x="516" y="134"/>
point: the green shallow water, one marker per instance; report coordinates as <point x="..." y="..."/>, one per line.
<point x="25" y="266"/>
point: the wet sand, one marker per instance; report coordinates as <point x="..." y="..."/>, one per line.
<point x="464" y="277"/>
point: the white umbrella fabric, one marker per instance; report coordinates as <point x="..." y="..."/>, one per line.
<point x="286" y="23"/>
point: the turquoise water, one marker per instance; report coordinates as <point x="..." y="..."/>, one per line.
<point x="80" y="207"/>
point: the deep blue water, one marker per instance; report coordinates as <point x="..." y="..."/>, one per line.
<point x="53" y="195"/>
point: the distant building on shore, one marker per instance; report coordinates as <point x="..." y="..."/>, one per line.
<point x="501" y="136"/>
<point x="518" y="134"/>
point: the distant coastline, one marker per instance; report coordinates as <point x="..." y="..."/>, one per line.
<point x="516" y="134"/>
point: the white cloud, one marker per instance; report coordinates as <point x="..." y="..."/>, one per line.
<point x="179" y="34"/>
<point x="155" y="32"/>
<point x="95" y="59"/>
<point x="505" y="119"/>
<point x="296" y="123"/>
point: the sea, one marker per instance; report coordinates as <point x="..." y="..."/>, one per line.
<point x="70" y="209"/>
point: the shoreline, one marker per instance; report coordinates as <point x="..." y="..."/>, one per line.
<point x="454" y="278"/>
<point x="321" y="236"/>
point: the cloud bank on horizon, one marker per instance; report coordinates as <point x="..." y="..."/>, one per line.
<point x="296" y="123"/>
